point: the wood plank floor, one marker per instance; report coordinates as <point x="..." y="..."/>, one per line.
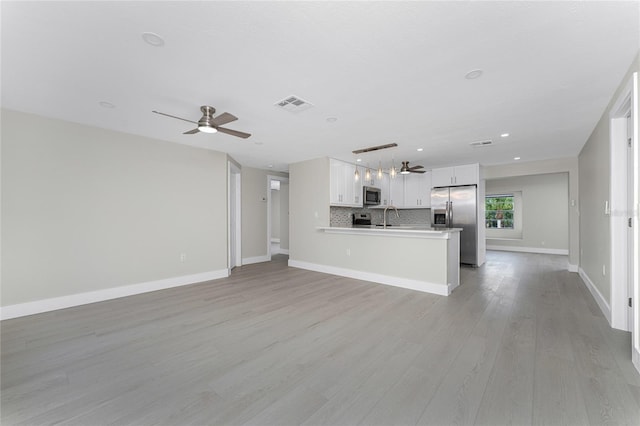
<point x="520" y="342"/>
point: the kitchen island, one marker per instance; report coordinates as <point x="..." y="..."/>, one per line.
<point x="414" y="257"/>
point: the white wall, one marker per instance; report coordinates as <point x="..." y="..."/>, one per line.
<point x="544" y="213"/>
<point x="87" y="209"/>
<point x="284" y="216"/>
<point x="595" y="179"/>
<point x="275" y="213"/>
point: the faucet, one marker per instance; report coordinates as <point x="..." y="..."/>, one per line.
<point x="384" y="215"/>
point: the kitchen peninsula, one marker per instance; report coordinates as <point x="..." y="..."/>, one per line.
<point x="417" y="258"/>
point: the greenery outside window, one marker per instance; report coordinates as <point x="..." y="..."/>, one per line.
<point x="499" y="211"/>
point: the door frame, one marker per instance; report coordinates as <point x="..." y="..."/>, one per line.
<point x="623" y="286"/>
<point x="269" y="179"/>
<point x="234" y="198"/>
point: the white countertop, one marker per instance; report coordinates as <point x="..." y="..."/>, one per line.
<point x="410" y="231"/>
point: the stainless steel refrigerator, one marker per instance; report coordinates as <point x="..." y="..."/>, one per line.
<point x="456" y="207"/>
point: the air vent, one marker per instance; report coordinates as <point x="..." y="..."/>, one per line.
<point x="482" y="143"/>
<point x="293" y="104"/>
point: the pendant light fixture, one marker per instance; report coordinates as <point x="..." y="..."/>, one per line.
<point x="393" y="172"/>
<point x="367" y="174"/>
<point x="379" y="169"/>
<point x="356" y="176"/>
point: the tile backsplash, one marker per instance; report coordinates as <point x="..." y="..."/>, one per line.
<point x="341" y="216"/>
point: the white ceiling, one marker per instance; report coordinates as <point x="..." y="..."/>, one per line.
<point x="388" y="71"/>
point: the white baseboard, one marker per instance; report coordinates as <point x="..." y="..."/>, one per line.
<point x="600" y="300"/>
<point x="279" y="251"/>
<point x="572" y="268"/>
<point x="424" y="286"/>
<point x="55" y="303"/>
<point x="530" y="249"/>
<point x="255" y="259"/>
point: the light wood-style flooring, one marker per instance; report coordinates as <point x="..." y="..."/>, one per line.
<point x="520" y="342"/>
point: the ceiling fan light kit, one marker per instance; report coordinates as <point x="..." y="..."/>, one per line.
<point x="209" y="124"/>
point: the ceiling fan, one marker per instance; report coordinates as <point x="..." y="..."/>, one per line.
<point x="405" y="169"/>
<point x="209" y="124"/>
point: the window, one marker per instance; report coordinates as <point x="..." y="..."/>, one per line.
<point x="499" y="211"/>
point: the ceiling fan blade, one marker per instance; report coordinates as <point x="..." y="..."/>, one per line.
<point x="192" y="132"/>
<point x="417" y="171"/>
<point x="234" y="132"/>
<point x="416" y="167"/>
<point x="224" y="118"/>
<point x="173" y="116"/>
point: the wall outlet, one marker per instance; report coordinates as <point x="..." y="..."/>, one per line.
<point x="348" y="252"/>
<point x="183" y="257"/>
<point x="604" y="270"/>
<point x="542" y="242"/>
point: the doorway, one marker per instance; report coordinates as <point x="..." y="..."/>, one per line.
<point x="624" y="215"/>
<point x="277" y="216"/>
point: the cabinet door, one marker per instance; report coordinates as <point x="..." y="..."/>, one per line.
<point x="336" y="177"/>
<point x="353" y="192"/>
<point x="396" y="191"/>
<point x="417" y="190"/>
<point x="466" y="174"/>
<point x="383" y="184"/>
<point x="442" y="176"/>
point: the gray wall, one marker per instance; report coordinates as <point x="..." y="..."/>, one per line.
<point x="595" y="172"/>
<point x="560" y="165"/>
<point x="86" y="209"/>
<point x="545" y="211"/>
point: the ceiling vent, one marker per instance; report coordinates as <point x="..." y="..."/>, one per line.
<point x="293" y="104"/>
<point x="482" y="143"/>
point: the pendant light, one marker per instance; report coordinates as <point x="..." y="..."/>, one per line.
<point x="379" y="169"/>
<point x="367" y="174"/>
<point x="393" y="172"/>
<point x="356" y="176"/>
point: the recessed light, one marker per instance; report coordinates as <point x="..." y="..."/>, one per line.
<point x="105" y="104"/>
<point x="504" y="135"/>
<point x="258" y="143"/>
<point x="359" y="160"/>
<point x="270" y="166"/>
<point x="153" y="39"/>
<point x="473" y="74"/>
<point x="516" y="158"/>
<point x="420" y="149"/>
<point x="332" y="119"/>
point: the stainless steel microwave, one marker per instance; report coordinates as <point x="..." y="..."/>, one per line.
<point x="371" y="196"/>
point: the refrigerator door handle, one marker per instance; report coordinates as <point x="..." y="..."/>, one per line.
<point x="450" y="218"/>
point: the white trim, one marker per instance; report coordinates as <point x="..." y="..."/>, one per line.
<point x="55" y="303"/>
<point x="269" y="179"/>
<point x="573" y="268"/>
<point x="255" y="259"/>
<point x="600" y="300"/>
<point x="279" y="251"/>
<point x="424" y="286"/>
<point x="635" y="358"/>
<point x="539" y="250"/>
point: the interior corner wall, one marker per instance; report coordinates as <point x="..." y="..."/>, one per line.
<point x="86" y="209"/>
<point x="595" y="181"/>
<point x="255" y="213"/>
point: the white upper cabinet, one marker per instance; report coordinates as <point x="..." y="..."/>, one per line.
<point x="396" y="191"/>
<point x="344" y="189"/>
<point x="417" y="190"/>
<point x="467" y="174"/>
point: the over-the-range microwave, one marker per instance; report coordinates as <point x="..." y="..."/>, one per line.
<point x="371" y="196"/>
